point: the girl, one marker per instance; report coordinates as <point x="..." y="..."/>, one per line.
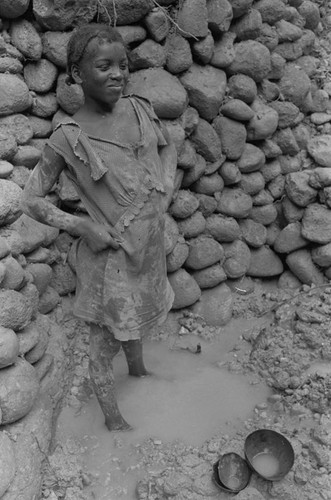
<point x="119" y="158"/>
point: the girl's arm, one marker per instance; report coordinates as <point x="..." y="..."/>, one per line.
<point x="168" y="156"/>
<point x="34" y="204"/>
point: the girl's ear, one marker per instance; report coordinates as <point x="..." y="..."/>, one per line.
<point x="75" y="73"/>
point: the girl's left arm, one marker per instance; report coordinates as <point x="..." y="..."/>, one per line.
<point x="168" y="156"/>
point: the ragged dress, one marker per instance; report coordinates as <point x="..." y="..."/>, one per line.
<point x="122" y="185"/>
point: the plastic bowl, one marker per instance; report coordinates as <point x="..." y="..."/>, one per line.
<point x="269" y="454"/>
<point x="232" y="473"/>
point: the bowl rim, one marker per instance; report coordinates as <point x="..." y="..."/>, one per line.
<point x="249" y="472"/>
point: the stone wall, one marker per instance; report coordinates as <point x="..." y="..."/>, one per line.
<point x="238" y="84"/>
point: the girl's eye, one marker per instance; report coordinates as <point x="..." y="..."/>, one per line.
<point x="123" y="66"/>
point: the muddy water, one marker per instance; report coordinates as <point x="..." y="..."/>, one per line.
<point x="189" y="397"/>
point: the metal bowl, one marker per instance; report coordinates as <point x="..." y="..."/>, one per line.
<point x="231" y="473"/>
<point x="269" y="454"/>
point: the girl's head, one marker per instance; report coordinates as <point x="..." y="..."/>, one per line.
<point x="97" y="60"/>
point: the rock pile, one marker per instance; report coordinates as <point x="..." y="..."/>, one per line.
<point x="237" y="84"/>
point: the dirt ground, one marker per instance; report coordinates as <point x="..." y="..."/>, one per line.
<point x="278" y="339"/>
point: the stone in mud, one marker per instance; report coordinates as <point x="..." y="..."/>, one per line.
<point x="232" y="135"/>
<point x="219" y="16"/>
<point x="310" y="12"/>
<point x="208" y="184"/>
<point x="294" y="84"/>
<point x="230" y="173"/>
<point x="235" y="203"/>
<point x="194" y="173"/>
<point x="10" y="197"/>
<point x="14" y="95"/>
<point x="207" y="204"/>
<point x="252" y="59"/>
<point x="316" y="224"/>
<point x="26" y="39"/>
<point x="204" y="251"/>
<point x="203" y="50"/>
<point x="252" y="159"/>
<point x="222" y="228"/>
<point x="185" y="288"/>
<point x="242" y="87"/>
<point x="210" y="276"/>
<point x="48" y="300"/>
<point x="167" y="95"/>
<point x="287" y="113"/>
<point x="9" y="347"/>
<point x="264" y="123"/>
<point x="40" y="76"/>
<point x="298" y="189"/>
<point x="192" y="226"/>
<point x="26" y="156"/>
<point x="14" y="276"/>
<point x="44" y="105"/>
<point x="177" y="257"/>
<point x="7" y="462"/>
<point x="288" y="280"/>
<point x="264" y="263"/>
<point x="319" y="148"/>
<point x="58" y="15"/>
<point x="215" y="305"/>
<point x="290" y="239"/>
<point x="55" y="47"/>
<point x="206" y="87"/>
<point x="207" y="141"/>
<point x="303" y="267"/>
<point x="19" y="387"/>
<point x="237" y="110"/>
<point x="265" y="214"/>
<point x="33" y="233"/>
<point x="252" y="183"/>
<point x="178" y="54"/>
<point x="193" y="18"/>
<point x="276" y="187"/>
<point x="17" y="125"/>
<point x="254" y="233"/>
<point x="248" y="27"/>
<point x="224" y="51"/>
<point x="237" y="259"/>
<point x="157" y="24"/>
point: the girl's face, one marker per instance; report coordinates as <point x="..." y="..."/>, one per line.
<point x="103" y="71"/>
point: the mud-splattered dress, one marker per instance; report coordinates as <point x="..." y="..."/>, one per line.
<point x="121" y="185"/>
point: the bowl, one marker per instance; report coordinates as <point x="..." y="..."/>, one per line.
<point x="231" y="473"/>
<point x="269" y="454"/>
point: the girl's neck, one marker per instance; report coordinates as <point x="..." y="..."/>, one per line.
<point x="93" y="107"/>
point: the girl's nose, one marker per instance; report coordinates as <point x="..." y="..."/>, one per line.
<point x="115" y="73"/>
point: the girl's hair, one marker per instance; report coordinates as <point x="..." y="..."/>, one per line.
<point x="80" y="39"/>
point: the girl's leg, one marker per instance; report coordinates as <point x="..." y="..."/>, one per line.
<point x="133" y="350"/>
<point x="103" y="348"/>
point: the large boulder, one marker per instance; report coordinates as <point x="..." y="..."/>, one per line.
<point x="19" y="387"/>
<point x="185" y="288"/>
<point x="316" y="224"/>
<point x="215" y="305"/>
<point x="14" y="95"/>
<point x="252" y="59"/>
<point x="206" y="87"/>
<point x="164" y="90"/>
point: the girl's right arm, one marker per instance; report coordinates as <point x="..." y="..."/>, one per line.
<point x="34" y="204"/>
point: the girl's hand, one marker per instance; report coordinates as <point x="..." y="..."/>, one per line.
<point x="98" y="236"/>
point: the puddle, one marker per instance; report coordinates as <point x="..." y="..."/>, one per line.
<point x="189" y="398"/>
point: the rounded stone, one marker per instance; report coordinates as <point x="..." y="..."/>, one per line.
<point x="222" y="228"/>
<point x="13" y="8"/>
<point x="55" y="47"/>
<point x="10" y="198"/>
<point x="254" y="233"/>
<point x="210" y="277"/>
<point x="40" y="76"/>
<point x="61" y="14"/>
<point x="179" y="55"/>
<point x="233" y="136"/>
<point x="215" y="305"/>
<point x="235" y="203"/>
<point x="264" y="123"/>
<point x="167" y="95"/>
<point x="63" y="279"/>
<point x="26" y="39"/>
<point x="237" y="259"/>
<point x="319" y="148"/>
<point x="303" y="267"/>
<point x="204" y="251"/>
<point x="44" y="105"/>
<point x="192" y="226"/>
<point x="209" y="184"/>
<point x="252" y="59"/>
<point x="48" y="300"/>
<point x="242" y="87"/>
<point x="184" y="205"/>
<point x="19" y="387"/>
<point x="69" y="97"/>
<point x="264" y="263"/>
<point x="18" y="126"/>
<point x="42" y="274"/>
<point x="9" y="347"/>
<point x="185" y="288"/>
<point x="177" y="257"/>
<point x="26" y="156"/>
<point x="14" y="276"/>
<point x="14" y="95"/>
